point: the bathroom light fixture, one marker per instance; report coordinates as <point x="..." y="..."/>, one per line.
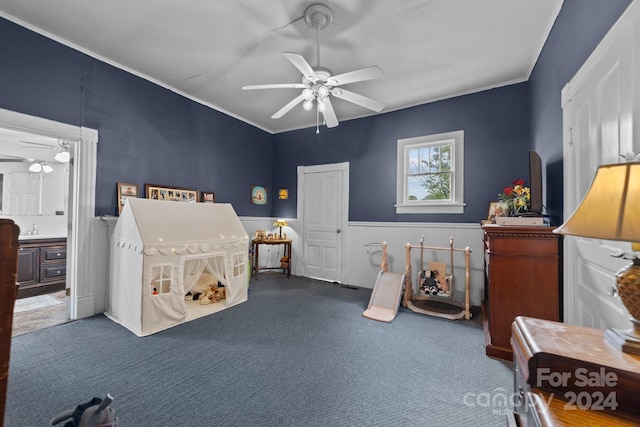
<point x="40" y="167"/>
<point x="63" y="156"/>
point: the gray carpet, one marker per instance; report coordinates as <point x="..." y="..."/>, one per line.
<point x="298" y="353"/>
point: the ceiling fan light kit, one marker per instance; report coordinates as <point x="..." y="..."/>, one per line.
<point x="318" y="83"/>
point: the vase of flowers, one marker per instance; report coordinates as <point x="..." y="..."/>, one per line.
<point x="515" y="199"/>
<point x="280" y="223"/>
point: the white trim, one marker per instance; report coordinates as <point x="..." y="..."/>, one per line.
<point x="447" y="225"/>
<point x="81" y="203"/>
<point x="456" y="205"/>
<point x="624" y="21"/>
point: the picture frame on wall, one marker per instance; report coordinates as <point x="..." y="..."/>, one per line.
<point x="125" y="191"/>
<point x="175" y="194"/>
<point x="259" y="195"/>
<point x="207" y="197"/>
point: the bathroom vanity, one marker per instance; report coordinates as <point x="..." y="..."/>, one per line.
<point x="42" y="266"/>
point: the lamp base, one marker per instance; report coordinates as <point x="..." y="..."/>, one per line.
<point x="628" y="285"/>
<point x="627" y="340"/>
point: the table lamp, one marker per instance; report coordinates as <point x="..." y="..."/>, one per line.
<point x="611" y="211"/>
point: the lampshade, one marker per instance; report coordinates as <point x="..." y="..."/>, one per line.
<point x="611" y="208"/>
<point x="46" y="168"/>
<point x="35" y="167"/>
<point x="611" y="211"/>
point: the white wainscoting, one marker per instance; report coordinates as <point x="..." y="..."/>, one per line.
<point x="364" y="258"/>
<point x="364" y="253"/>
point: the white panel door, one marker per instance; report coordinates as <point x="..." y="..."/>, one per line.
<point x="323" y="223"/>
<point x="598" y="123"/>
<point x="22" y="193"/>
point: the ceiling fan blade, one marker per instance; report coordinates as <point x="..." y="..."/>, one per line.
<point x="329" y="114"/>
<point x="360" y="100"/>
<point x="301" y="64"/>
<point x="369" y="73"/>
<point x="284" y="110"/>
<point x="37" y="144"/>
<point x="275" y="86"/>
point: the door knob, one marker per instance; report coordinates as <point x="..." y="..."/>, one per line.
<point x="338" y="231"/>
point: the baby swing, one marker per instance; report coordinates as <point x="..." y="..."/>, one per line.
<point x="434" y="295"/>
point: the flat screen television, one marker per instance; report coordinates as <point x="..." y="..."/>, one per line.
<point x="535" y="183"/>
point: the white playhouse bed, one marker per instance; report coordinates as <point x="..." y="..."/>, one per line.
<point x="162" y="250"/>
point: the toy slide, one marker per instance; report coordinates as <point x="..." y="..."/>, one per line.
<point x="385" y="298"/>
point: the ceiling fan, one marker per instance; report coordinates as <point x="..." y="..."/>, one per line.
<point x="318" y="84"/>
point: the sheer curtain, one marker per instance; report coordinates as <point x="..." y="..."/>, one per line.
<point x="194" y="267"/>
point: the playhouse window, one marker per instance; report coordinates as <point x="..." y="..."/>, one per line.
<point x="161" y="279"/>
<point x="239" y="264"/>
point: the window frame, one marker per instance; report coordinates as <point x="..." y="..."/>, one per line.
<point x="239" y="263"/>
<point x="163" y="267"/>
<point x="456" y="203"/>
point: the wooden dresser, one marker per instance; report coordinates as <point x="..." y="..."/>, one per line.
<point x="572" y="376"/>
<point x="523" y="277"/>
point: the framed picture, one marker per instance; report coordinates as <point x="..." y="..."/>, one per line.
<point x="259" y="195"/>
<point x="175" y="194"/>
<point x="207" y="197"/>
<point x="125" y="190"/>
<point x="494" y="210"/>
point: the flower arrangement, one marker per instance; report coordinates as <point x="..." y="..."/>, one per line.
<point x="280" y="223"/>
<point x="516" y="198"/>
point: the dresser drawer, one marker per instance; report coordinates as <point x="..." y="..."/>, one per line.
<point x="53" y="254"/>
<point x="52" y="272"/>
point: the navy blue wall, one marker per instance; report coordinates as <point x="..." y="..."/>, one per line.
<point x="496" y="133"/>
<point x="150" y="135"/>
<point x="147" y="134"/>
<point x="579" y="28"/>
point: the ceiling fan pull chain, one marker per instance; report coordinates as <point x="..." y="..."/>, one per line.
<point x="317" y="121"/>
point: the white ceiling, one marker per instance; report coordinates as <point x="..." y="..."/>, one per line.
<point x="207" y="50"/>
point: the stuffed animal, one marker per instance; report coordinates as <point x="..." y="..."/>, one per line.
<point x="444" y="285"/>
<point x="428" y="282"/>
<point x="284" y="262"/>
<point x="201" y="287"/>
<point x="214" y="294"/>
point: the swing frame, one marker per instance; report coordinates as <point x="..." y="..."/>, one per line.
<point x="453" y="309"/>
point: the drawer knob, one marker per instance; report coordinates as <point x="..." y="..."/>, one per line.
<point x="58" y="254"/>
<point x="58" y="272"/>
<point x="612" y="291"/>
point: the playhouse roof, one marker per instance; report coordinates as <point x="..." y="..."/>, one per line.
<point x="168" y="226"/>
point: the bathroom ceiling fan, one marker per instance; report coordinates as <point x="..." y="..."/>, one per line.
<point x="318" y="84"/>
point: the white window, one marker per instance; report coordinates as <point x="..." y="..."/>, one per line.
<point x="161" y="277"/>
<point x="239" y="264"/>
<point x="431" y="174"/>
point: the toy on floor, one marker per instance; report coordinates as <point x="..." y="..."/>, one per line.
<point x="387" y="292"/>
<point x="207" y="290"/>
<point x="95" y="413"/>
<point x="435" y="292"/>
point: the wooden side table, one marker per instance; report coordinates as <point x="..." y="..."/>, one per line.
<point x="568" y="375"/>
<point x="284" y="265"/>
